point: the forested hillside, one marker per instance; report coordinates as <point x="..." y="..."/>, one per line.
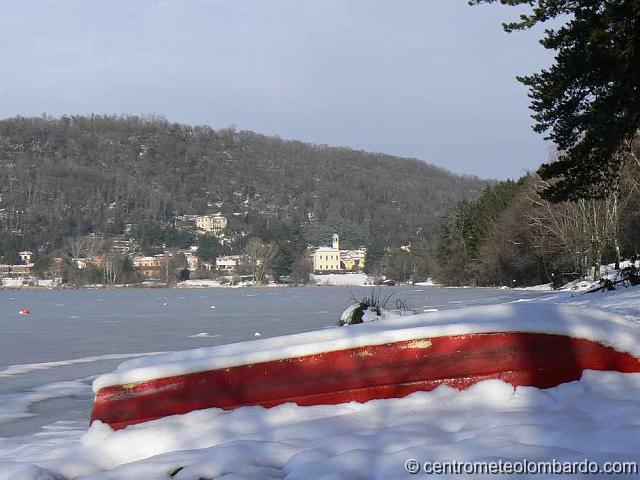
<point x="77" y="175"/>
<point x="510" y="235"/>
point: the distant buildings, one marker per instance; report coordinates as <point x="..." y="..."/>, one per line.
<point x="96" y="257"/>
<point x="88" y="262"/>
<point x="123" y="245"/>
<point x="18" y="273"/>
<point x="211" y="223"/>
<point x="352" y="260"/>
<point x="15" y="271"/>
<point x="148" y="267"/>
<point x="191" y="255"/>
<point x="215" y="223"/>
<point x="18" y="276"/>
<point x="153" y="267"/>
<point x="333" y="259"/>
<point x="25" y="257"/>
<point x="227" y="263"/>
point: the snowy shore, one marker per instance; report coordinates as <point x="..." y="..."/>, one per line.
<point x="596" y="418"/>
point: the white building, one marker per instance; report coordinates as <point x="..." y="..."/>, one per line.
<point x="25" y="257"/>
<point x="228" y="263"/>
<point x="211" y="223"/>
<point x="192" y="260"/>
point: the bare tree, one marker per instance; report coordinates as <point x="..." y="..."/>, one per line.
<point x="258" y="258"/>
<point x="579" y="230"/>
<point x="82" y="247"/>
<point x="111" y="266"/>
<point x="302" y="270"/>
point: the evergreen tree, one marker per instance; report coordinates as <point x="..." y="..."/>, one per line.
<point x="589" y="100"/>
<point x="209" y="248"/>
<point x="373" y="256"/>
<point x="463" y="231"/>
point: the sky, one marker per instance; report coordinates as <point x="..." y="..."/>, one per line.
<point x="428" y="79"/>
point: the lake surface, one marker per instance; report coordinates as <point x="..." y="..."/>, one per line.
<point x="49" y="358"/>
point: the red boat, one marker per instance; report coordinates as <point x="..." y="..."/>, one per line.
<point x="371" y="367"/>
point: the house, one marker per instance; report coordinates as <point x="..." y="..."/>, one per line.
<point x="211" y="223"/>
<point x="15" y="271"/>
<point x="192" y="260"/>
<point x="228" y="263"/>
<point x="352" y="260"/>
<point x="333" y="259"/>
<point x="148" y="267"/>
<point x="82" y="263"/>
<point x="25" y="257"/>
<point x="123" y="245"/>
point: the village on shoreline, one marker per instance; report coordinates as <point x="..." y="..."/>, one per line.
<point x="94" y="261"/>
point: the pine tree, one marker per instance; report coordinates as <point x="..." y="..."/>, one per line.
<point x="589" y="99"/>
<point x="373" y="256"/>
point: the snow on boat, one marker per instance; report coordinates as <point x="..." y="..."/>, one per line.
<point x="531" y="344"/>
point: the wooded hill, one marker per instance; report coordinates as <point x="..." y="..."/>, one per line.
<point x="69" y="176"/>
<point x="512" y="236"/>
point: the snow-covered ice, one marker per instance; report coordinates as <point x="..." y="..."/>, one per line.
<point x="30" y="367"/>
<point x="14" y="406"/>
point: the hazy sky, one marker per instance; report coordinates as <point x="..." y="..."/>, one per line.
<point x="431" y="79"/>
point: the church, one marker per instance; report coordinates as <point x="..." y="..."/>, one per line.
<point x="334" y="260"/>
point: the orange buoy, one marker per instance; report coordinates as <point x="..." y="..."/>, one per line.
<point x="24" y="311"/>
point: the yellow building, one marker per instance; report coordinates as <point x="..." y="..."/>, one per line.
<point x="327" y="259"/>
<point x="148" y="267"/>
<point x="352" y="260"/>
<point x="332" y="259"/>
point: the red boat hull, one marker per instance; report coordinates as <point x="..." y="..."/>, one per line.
<point x="360" y="374"/>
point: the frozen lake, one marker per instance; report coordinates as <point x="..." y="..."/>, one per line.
<point x="48" y="359"/>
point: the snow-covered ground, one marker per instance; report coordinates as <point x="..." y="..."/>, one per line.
<point x="204" y="283"/>
<point x="606" y="272"/>
<point x="596" y="418"/>
<point x="341" y="279"/>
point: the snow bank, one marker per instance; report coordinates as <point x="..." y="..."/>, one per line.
<point x="204" y="283"/>
<point x="427" y="283"/>
<point x="596" y="418"/>
<point x="355" y="279"/>
<point x="617" y="332"/>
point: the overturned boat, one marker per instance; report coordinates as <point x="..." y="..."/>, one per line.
<point x="532" y="344"/>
